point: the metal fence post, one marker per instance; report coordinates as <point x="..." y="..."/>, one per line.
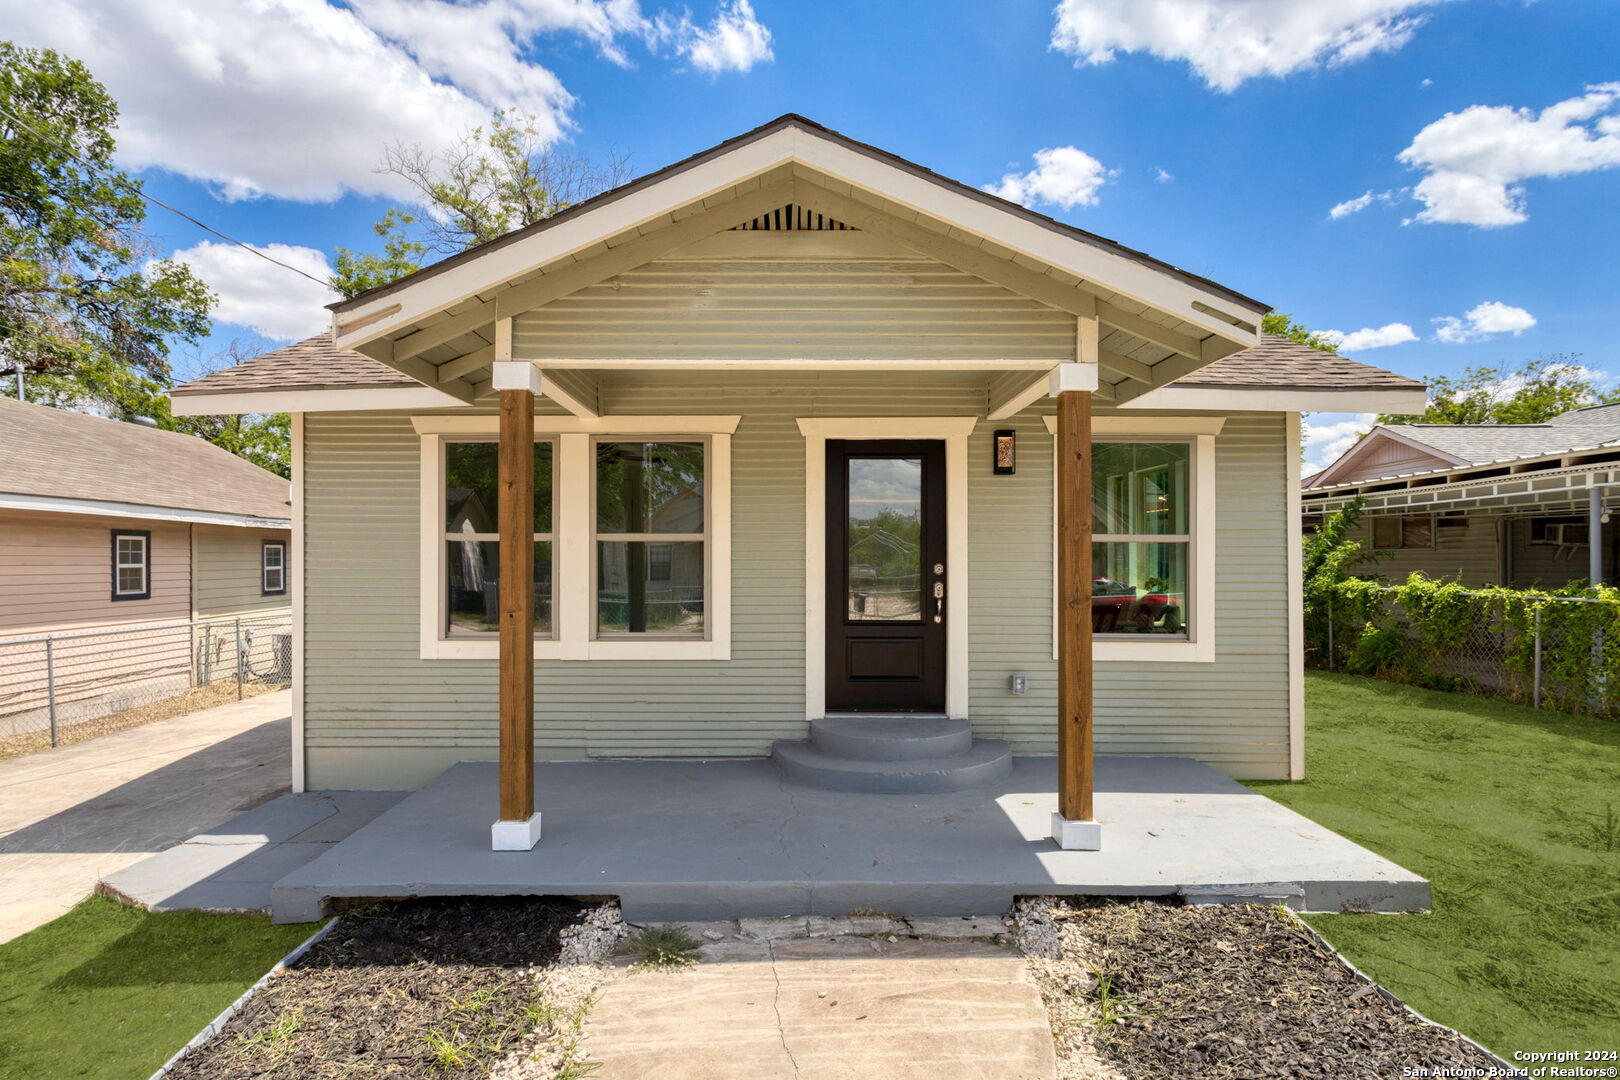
<point x="1535" y="694"/>
<point x="1330" y="631"/>
<point x="50" y="685"/>
<point x="238" y="659"/>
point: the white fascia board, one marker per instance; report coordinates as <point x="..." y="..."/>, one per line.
<point x="793" y="145"/>
<point x="53" y="504"/>
<point x="247" y="402"/>
<point x="1282" y="399"/>
<point x="624" y="424"/>
<point x="1148" y="425"/>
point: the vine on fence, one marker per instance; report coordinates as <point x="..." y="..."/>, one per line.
<point x="1420" y="631"/>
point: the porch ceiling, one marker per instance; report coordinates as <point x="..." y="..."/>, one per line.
<point x="1140" y="347"/>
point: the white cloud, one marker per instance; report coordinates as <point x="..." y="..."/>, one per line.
<point x="734" y="41"/>
<point x="1484" y="321"/>
<point x="1230" y="41"/>
<point x="1163" y="176"/>
<point x="268" y="299"/>
<point x="1371" y="337"/>
<point x="1360" y="203"/>
<point x="1476" y="160"/>
<point x="297" y="98"/>
<point x="1063" y="176"/>
<point x="1327" y="435"/>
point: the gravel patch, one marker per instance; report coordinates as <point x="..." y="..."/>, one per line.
<point x="1148" y="989"/>
<point x="487" y="987"/>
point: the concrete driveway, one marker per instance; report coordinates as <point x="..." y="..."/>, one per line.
<point x="71" y="815"/>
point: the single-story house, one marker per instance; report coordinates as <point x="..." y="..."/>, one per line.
<point x="1524" y="505"/>
<point x="795" y="437"/>
<point x="112" y="530"/>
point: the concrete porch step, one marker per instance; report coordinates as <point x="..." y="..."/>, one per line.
<point x="984" y="762"/>
<point x="891" y="738"/>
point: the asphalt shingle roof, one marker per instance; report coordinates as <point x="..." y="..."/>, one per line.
<point x="71" y="455"/>
<point x="1484" y="444"/>
<point x="1278" y="362"/>
<point x="315" y="363"/>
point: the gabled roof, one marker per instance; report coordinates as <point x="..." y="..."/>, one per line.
<point x="1579" y="430"/>
<point x="316" y="363"/>
<point x="786" y="122"/>
<point x="56" y="454"/>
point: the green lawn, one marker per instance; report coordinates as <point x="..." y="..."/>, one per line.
<point x="1512" y="814"/>
<point x="110" y="991"/>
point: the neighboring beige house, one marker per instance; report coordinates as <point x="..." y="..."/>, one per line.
<point x="106" y="526"/>
<point x="1525" y="505"/>
<point x="793" y="423"/>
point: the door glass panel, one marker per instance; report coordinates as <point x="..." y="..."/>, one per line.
<point x="884" y="537"/>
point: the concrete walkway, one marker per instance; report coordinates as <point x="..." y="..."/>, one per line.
<point x="840" y="1008"/>
<point x="71" y="815"/>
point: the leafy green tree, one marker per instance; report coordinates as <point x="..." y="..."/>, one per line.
<point x="1538" y="391"/>
<point x="490" y="182"/>
<point x="1330" y="553"/>
<point x="1282" y="325"/>
<point x="81" y="298"/>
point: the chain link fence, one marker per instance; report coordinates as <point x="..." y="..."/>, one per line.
<point x="61" y="688"/>
<point x="1546" y="660"/>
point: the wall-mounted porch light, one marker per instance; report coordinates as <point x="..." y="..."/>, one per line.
<point x="1006" y="452"/>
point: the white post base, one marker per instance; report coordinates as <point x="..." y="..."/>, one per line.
<point x="515" y="835"/>
<point x="1072" y="835"/>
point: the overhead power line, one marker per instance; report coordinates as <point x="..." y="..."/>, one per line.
<point x="117" y="179"/>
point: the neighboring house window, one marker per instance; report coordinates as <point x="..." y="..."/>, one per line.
<point x="471" y="582"/>
<point x="1141" y="552"/>
<point x="651" y="526"/>
<point x="131" y="565"/>
<point x="1396" y="533"/>
<point x="273" y="567"/>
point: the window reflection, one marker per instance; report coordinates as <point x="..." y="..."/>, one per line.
<point x="884" y="537"/>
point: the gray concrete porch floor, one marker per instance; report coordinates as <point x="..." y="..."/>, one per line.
<point x="726" y="839"/>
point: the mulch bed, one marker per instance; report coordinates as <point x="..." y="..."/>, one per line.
<point x="416" y="988"/>
<point x="1160" y="990"/>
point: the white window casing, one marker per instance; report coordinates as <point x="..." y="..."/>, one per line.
<point x="273" y="567"/>
<point x="1199" y="644"/>
<point x="131" y="564"/>
<point x="573" y="535"/>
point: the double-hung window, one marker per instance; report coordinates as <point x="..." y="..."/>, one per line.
<point x="651" y="527"/>
<point x="632" y="537"/>
<point x="131" y="565"/>
<point x="471" y="580"/>
<point x="1152" y="538"/>
<point x="273" y="568"/>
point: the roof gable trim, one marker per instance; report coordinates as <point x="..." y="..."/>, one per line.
<point x="790" y="144"/>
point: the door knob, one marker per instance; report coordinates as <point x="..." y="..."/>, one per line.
<point x="939" y="589"/>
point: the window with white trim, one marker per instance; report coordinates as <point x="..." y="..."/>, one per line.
<point x="632" y="533"/>
<point x="273" y="567"/>
<point x="131" y="565"/>
<point x="470" y="582"/>
<point x="1141" y="537"/>
<point x="650" y="537"/>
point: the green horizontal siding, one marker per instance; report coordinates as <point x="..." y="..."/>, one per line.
<point x="376" y="715"/>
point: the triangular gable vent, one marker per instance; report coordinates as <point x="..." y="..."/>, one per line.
<point x="791" y="218"/>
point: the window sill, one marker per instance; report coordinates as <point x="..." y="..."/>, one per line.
<point x="552" y="649"/>
<point x="1168" y="652"/>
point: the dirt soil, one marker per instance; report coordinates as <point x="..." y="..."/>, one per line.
<point x="417" y="988"/>
<point x="1147" y="990"/>
<point x="201" y="697"/>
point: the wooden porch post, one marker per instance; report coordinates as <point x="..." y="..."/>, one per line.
<point x="1074" y="826"/>
<point x="518" y="826"/>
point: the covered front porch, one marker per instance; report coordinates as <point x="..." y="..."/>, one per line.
<point x="704" y="840"/>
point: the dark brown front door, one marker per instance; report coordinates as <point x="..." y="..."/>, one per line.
<point x="886" y="576"/>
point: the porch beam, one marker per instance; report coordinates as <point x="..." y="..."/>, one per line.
<point x="480" y="314"/>
<point x="466" y="365"/>
<point x="517" y="828"/>
<point x="1148" y="330"/>
<point x="1074" y="826"/>
<point x="573" y="390"/>
<point x="1163" y="373"/>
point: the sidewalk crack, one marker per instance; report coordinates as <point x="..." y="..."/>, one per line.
<point x="776" y="1006"/>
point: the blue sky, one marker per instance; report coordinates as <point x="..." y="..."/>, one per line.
<point x="1216" y="134"/>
